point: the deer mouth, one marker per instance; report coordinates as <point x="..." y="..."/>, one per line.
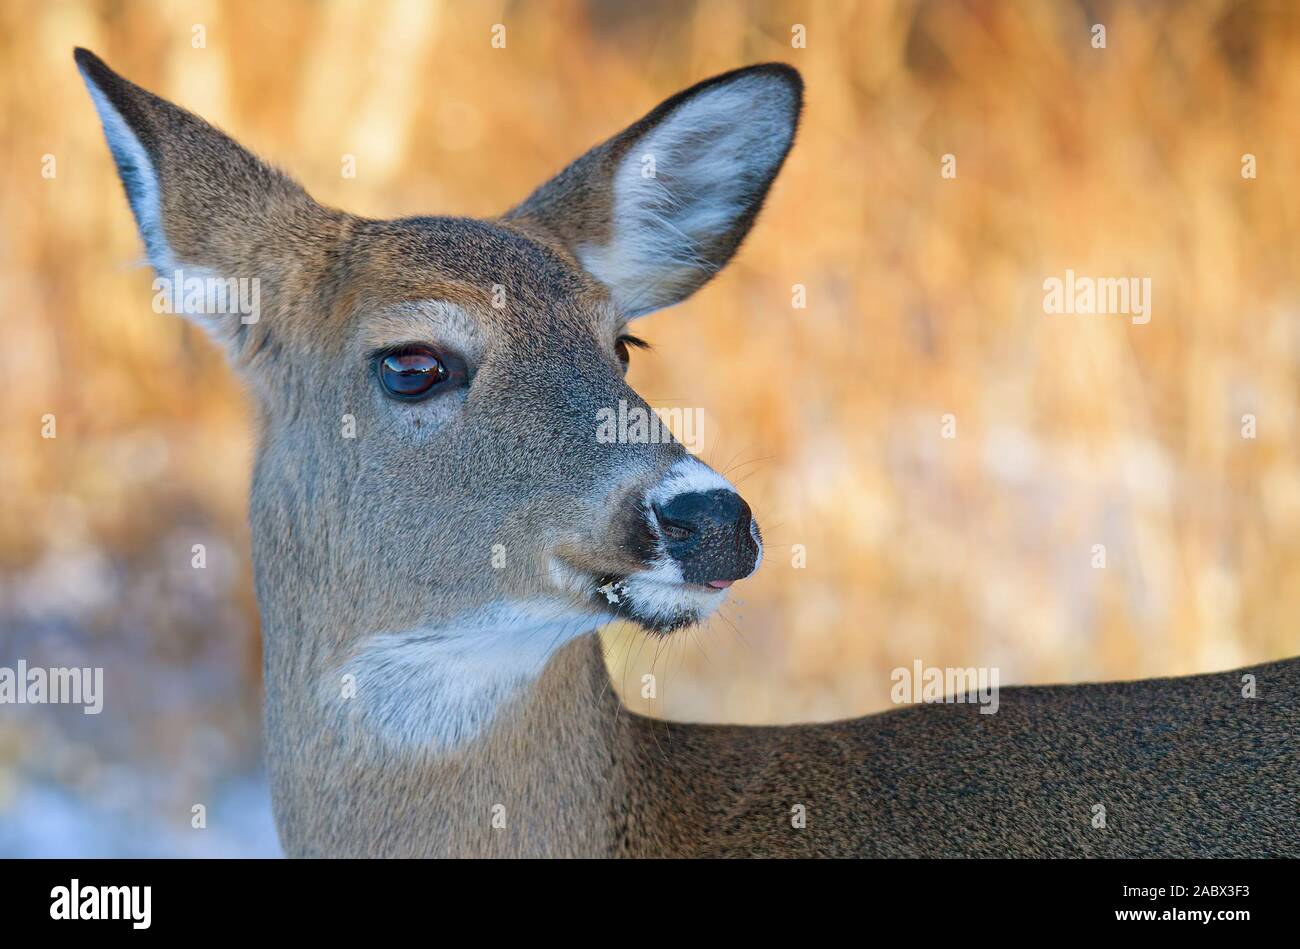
<point x="653" y="596"/>
<point x="657" y="602"/>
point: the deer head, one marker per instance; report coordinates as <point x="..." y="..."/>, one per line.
<point x="432" y="503"/>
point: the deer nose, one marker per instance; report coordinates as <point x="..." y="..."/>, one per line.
<point x="711" y="535"/>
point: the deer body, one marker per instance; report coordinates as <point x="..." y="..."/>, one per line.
<point x="1180" y="768"/>
<point x="437" y="534"/>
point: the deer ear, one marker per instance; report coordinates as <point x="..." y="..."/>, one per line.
<point x="657" y="210"/>
<point x="205" y="207"/>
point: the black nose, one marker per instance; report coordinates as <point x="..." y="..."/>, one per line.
<point x="711" y="535"/>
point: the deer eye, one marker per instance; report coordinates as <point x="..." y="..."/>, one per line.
<point x="623" y="348"/>
<point x="411" y="373"/>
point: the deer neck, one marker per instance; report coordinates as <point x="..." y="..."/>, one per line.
<point x="536" y="770"/>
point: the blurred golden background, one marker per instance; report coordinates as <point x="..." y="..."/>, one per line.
<point x="924" y="300"/>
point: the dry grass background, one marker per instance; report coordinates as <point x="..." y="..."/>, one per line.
<point x="924" y="298"/>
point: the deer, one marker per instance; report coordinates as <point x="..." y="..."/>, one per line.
<point x="424" y="698"/>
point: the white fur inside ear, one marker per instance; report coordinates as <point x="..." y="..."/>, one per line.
<point x="139" y="177"/>
<point x="686" y="183"/>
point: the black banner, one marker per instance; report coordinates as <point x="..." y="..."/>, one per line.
<point x="236" y="897"/>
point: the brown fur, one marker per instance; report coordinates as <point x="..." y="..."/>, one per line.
<point x="390" y="530"/>
<point x="1184" y="768"/>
